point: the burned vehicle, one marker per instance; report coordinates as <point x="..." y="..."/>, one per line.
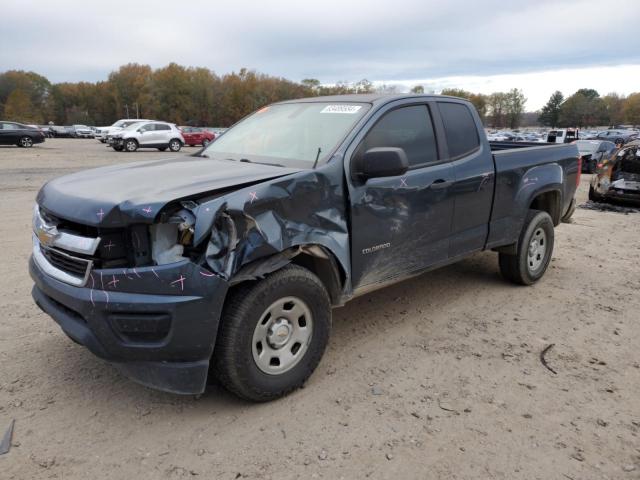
<point x="618" y="177"/>
<point x="229" y="262"/>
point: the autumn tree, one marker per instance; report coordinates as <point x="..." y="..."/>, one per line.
<point x="614" y="105"/>
<point x="18" y="107"/>
<point x="417" y="89"/>
<point x="631" y="109"/>
<point x="131" y="85"/>
<point x="550" y="114"/>
<point x="478" y="99"/>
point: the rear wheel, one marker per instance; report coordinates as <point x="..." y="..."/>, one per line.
<point x="273" y="334"/>
<point x="535" y="247"/>
<point x="175" y="145"/>
<point x="130" y="145"/>
<point x="25" y="142"/>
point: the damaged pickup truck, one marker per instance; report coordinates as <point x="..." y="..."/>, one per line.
<point x="618" y="177"/>
<point x="229" y="262"/>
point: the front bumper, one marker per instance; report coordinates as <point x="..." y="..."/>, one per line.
<point x="113" y="315"/>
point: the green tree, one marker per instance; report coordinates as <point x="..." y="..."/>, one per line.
<point x="417" y="89"/>
<point x="584" y="108"/>
<point x="515" y="107"/>
<point x="550" y="114"/>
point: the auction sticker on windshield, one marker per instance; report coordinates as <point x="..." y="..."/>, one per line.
<point x="341" y="109"/>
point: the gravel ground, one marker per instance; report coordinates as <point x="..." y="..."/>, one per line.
<point x="435" y="377"/>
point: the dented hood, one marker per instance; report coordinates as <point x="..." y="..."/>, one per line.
<point x="119" y="195"/>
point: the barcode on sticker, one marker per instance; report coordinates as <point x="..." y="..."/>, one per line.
<point x="341" y="109"/>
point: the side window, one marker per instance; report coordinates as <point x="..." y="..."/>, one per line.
<point x="460" y="129"/>
<point x="409" y="128"/>
<point x="162" y="126"/>
<point x="146" y="128"/>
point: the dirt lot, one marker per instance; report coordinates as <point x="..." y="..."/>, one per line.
<point x="436" y="377"/>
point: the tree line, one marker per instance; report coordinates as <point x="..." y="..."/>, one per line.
<point x="182" y="95"/>
<point x="586" y="108"/>
<point x="198" y="96"/>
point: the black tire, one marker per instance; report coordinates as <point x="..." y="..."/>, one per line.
<point x="572" y="208"/>
<point x="593" y="196"/>
<point x="175" y="145"/>
<point x="162" y="149"/>
<point x="233" y="363"/>
<point x="518" y="268"/>
<point x="130" y="145"/>
<point x="25" y="142"/>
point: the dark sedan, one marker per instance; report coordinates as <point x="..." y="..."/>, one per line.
<point x="13" y="133"/>
<point x="594" y="152"/>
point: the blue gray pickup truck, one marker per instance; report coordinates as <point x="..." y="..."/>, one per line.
<point x="228" y="263"/>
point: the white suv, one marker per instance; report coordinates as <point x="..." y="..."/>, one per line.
<point x="160" y="135"/>
<point x="102" y="132"/>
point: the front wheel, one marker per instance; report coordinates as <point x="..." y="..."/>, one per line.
<point x="273" y="334"/>
<point x="535" y="247"/>
<point x="25" y="142"/>
<point x="175" y="145"/>
<point x="130" y="145"/>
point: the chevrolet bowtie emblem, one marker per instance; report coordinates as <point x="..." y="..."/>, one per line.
<point x="47" y="234"/>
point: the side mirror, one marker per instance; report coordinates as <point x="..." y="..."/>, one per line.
<point x="382" y="162"/>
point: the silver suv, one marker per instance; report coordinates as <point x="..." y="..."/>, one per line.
<point x="160" y="135"/>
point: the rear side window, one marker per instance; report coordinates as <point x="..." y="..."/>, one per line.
<point x="409" y="128"/>
<point x="460" y="129"/>
<point x="162" y="126"/>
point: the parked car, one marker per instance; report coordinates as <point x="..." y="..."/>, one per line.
<point x="617" y="136"/>
<point x="102" y="132"/>
<point x="160" y="135"/>
<point x="14" y="133"/>
<point x="618" y="177"/>
<point x="81" y="131"/>
<point x="234" y="258"/>
<point x="197" y="136"/>
<point x="593" y="152"/>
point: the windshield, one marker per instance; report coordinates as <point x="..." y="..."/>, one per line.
<point x="131" y="125"/>
<point x="289" y="134"/>
<point x="587" y="147"/>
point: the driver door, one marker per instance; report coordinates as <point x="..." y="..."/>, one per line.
<point x="401" y="225"/>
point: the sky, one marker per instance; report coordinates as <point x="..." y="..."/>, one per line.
<point x="483" y="45"/>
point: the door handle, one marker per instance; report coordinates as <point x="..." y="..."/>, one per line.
<point x="440" y="184"/>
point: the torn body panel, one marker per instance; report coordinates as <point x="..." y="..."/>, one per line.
<point x="618" y="177"/>
<point x="260" y="228"/>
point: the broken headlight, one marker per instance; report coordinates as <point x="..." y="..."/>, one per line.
<point x="168" y="240"/>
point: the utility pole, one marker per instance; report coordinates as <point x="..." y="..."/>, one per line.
<point x="126" y="107"/>
<point x="137" y="111"/>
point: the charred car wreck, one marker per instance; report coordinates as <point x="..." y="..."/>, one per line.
<point x="231" y="260"/>
<point x="618" y="176"/>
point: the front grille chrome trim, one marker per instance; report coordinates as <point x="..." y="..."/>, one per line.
<point x="55" y="272"/>
<point x="61" y="239"/>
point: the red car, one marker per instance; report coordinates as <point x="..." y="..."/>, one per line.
<point x="197" y="136"/>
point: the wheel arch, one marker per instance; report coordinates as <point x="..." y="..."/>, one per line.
<point x="316" y="258"/>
